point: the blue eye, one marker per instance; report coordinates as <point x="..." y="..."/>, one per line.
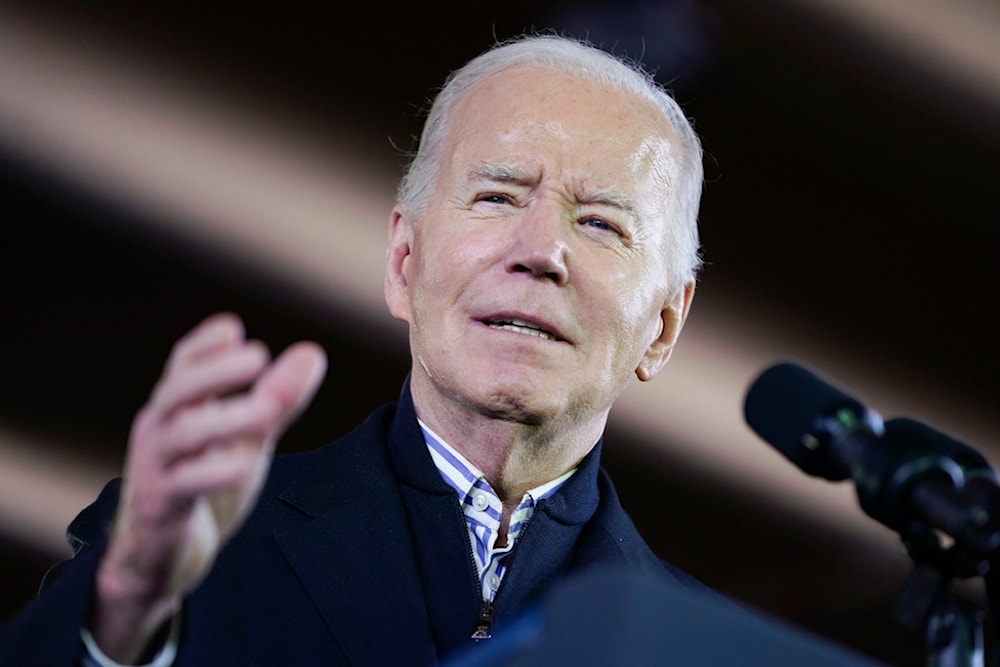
<point x="494" y="198"/>
<point x="598" y="223"/>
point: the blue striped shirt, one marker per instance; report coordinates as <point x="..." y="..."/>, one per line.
<point x="482" y="509"/>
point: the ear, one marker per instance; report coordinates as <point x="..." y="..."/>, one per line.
<point x="672" y="318"/>
<point x="397" y="261"/>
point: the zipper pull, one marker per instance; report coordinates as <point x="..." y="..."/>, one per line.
<point x="484" y="624"/>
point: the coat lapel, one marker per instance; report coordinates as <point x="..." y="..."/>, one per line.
<point x="352" y="551"/>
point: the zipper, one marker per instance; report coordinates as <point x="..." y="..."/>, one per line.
<point x="483" y="627"/>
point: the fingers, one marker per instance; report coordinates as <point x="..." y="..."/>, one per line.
<point x="194" y="443"/>
<point x="215" y="416"/>
<point x="226" y="371"/>
<point x="194" y="405"/>
<point x="214" y="359"/>
<point x="221" y="468"/>
<point x="192" y="428"/>
<point x="219" y="330"/>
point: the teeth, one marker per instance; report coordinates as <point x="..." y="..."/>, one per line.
<point x="520" y="326"/>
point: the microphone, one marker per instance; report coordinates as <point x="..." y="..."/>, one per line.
<point x="815" y="425"/>
<point x="909" y="476"/>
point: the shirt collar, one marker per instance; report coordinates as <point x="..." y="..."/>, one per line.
<point x="462" y="475"/>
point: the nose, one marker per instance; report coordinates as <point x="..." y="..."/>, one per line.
<point x="540" y="247"/>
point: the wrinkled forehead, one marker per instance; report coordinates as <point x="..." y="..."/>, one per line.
<point x="533" y="117"/>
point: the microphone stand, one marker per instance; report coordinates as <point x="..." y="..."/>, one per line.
<point x="943" y="500"/>
<point x="940" y="495"/>
<point x="952" y="628"/>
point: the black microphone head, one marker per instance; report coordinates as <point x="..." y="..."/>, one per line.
<point x="806" y="418"/>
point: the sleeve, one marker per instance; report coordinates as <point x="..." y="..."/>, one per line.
<point x="47" y="631"/>
<point x="94" y="657"/>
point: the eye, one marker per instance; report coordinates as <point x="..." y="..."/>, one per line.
<point x="601" y="225"/>
<point x="494" y="198"/>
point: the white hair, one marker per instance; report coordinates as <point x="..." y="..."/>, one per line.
<point x="583" y="59"/>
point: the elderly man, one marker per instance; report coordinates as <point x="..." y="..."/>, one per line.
<point x="543" y="251"/>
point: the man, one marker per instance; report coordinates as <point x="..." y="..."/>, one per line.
<point x="543" y="251"/>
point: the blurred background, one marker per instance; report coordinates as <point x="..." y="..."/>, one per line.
<point x="161" y="162"/>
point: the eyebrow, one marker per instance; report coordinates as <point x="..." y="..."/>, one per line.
<point x="499" y="173"/>
<point x="613" y="199"/>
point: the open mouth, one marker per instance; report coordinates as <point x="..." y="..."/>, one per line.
<point x="522" y="326"/>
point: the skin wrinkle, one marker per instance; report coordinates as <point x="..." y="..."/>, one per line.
<point x="684" y="188"/>
<point x="658" y="156"/>
<point x="624" y="205"/>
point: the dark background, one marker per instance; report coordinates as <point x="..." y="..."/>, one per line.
<point x="849" y="188"/>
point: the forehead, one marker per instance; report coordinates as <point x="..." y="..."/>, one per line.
<point x="535" y="118"/>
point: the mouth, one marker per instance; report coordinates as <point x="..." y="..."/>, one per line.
<point x="522" y="326"/>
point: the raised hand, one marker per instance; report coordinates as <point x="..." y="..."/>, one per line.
<point x="198" y="454"/>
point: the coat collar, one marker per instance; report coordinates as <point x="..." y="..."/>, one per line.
<point x="573" y="504"/>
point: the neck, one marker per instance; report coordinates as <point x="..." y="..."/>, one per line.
<point x="514" y="456"/>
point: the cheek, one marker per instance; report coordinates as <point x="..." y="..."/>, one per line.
<point x="432" y="282"/>
<point x="450" y="263"/>
<point x="473" y="245"/>
<point x="625" y="295"/>
<point x="428" y="276"/>
<point x="638" y="319"/>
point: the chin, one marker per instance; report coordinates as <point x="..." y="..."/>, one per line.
<point x="512" y="396"/>
<point x="511" y="408"/>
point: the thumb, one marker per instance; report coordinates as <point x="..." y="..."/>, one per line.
<point x="292" y="379"/>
